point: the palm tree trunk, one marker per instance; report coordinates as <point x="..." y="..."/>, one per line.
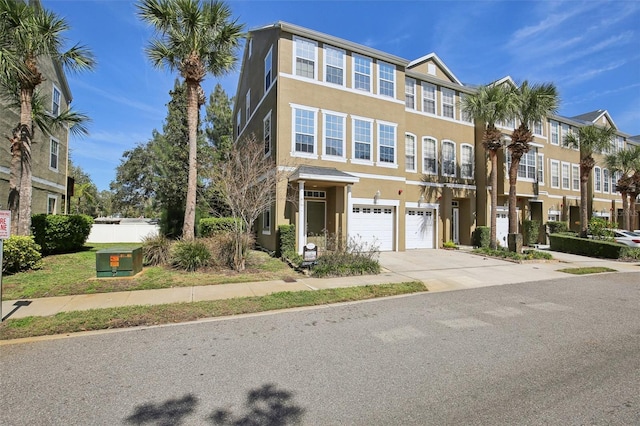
<point x="25" y="190"/>
<point x="513" y="180"/>
<point x="625" y="210"/>
<point x="15" y="172"/>
<point x="188" y="229"/>
<point x="584" y="217"/>
<point x="493" y="158"/>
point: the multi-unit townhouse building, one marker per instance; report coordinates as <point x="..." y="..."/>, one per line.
<point x="379" y="151"/>
<point x="49" y="152"/>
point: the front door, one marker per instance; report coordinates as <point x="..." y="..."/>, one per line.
<point x="316" y="222"/>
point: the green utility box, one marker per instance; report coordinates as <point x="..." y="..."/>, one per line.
<point x="118" y="262"/>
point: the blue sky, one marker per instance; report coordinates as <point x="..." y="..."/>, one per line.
<point x="589" y="49"/>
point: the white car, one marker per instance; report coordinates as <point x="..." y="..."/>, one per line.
<point x="631" y="239"/>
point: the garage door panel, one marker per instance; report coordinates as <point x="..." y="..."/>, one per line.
<point x="419" y="228"/>
<point x="373" y="226"/>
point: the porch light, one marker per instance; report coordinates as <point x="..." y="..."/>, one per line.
<point x="376" y="197"/>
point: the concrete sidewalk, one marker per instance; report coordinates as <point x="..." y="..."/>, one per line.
<point x="439" y="270"/>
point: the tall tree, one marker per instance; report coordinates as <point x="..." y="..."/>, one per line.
<point x="589" y="140"/>
<point x="195" y="39"/>
<point x="85" y="192"/>
<point x="29" y="33"/>
<point x="489" y="105"/>
<point x="625" y="162"/>
<point x="134" y="184"/>
<point x="534" y="102"/>
<point x="219" y="123"/>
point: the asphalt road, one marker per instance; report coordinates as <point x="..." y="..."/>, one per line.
<point x="563" y="352"/>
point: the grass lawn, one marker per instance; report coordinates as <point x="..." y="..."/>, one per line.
<point x="586" y="270"/>
<point x="75" y="273"/>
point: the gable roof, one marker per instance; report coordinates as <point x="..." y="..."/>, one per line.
<point x="594" y="116"/>
<point x="433" y="57"/>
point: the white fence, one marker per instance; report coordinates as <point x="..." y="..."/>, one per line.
<point x="127" y="231"/>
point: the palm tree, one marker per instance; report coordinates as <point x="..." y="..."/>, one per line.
<point x="30" y="32"/>
<point x="534" y="103"/>
<point x="489" y="105"/>
<point x="625" y="162"/>
<point x="588" y="140"/>
<point x="195" y="39"/>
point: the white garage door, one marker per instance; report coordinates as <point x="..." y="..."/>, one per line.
<point x="419" y="228"/>
<point x="502" y="228"/>
<point x="372" y="225"/>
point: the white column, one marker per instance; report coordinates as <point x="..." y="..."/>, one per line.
<point x="301" y="229"/>
<point x="348" y="212"/>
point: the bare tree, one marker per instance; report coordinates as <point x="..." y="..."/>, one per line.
<point x="246" y="180"/>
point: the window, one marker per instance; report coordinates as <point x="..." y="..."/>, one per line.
<point x="565" y="175"/>
<point x="448" y="97"/>
<point x="362" y="139"/>
<point x="266" y="126"/>
<point x="597" y="179"/>
<point x="334" y="135"/>
<point x="305" y="57"/>
<point x="565" y="131"/>
<point x="410" y="93"/>
<point x="53" y="154"/>
<point x="555" y="174"/>
<point x="386" y="143"/>
<point x="52" y="204"/>
<point x="266" y="222"/>
<point x="429" y="156"/>
<point x="55" y="101"/>
<point x="247" y="106"/>
<point x="605" y="181"/>
<point x="362" y="73"/>
<point x="334" y="65"/>
<point x="527" y="166"/>
<point x="410" y="152"/>
<point x="386" y="79"/>
<point x="448" y="158"/>
<point x="615" y="177"/>
<point x="554" y="133"/>
<point x="267" y="71"/>
<point x="541" y="169"/>
<point x="620" y="143"/>
<point x="238" y="123"/>
<point x="575" y="177"/>
<point x="305" y="131"/>
<point x="466" y="161"/>
<point x="428" y="98"/>
<point x="250" y="48"/>
<point x="537" y="128"/>
<point x="463" y="115"/>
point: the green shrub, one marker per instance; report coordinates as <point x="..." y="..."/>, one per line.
<point x="190" y="255"/>
<point x="630" y="253"/>
<point x="450" y="245"/>
<point x="214" y="225"/>
<point x="60" y="233"/>
<point x="586" y="246"/>
<point x="599" y="228"/>
<point x="482" y="236"/>
<point x="287" y="240"/>
<point x="352" y="259"/>
<point x="20" y="254"/>
<point x="556" y="227"/>
<point x="156" y="250"/>
<point x="531" y="230"/>
<point x="222" y="248"/>
<point x="506" y="254"/>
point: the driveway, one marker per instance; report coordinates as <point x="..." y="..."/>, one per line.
<point x="442" y="270"/>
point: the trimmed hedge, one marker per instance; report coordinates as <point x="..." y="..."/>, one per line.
<point x="20" y="253"/>
<point x="587" y="247"/>
<point x="482" y="236"/>
<point x="60" y="233"/>
<point x="555" y="227"/>
<point x="215" y="225"/>
<point x="531" y="230"/>
<point x="286" y="239"/>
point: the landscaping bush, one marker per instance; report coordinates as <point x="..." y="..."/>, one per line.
<point x="221" y="247"/>
<point x="506" y="254"/>
<point x="450" y="245"/>
<point x="286" y="240"/>
<point x="20" y="254"/>
<point x="156" y="250"/>
<point x="215" y="225"/>
<point x="353" y="259"/>
<point x="189" y="255"/>
<point x="630" y="253"/>
<point x="600" y="228"/>
<point x="60" y="233"/>
<point x="586" y="246"/>
<point x="531" y="230"/>
<point x="556" y="227"/>
<point x="482" y="236"/>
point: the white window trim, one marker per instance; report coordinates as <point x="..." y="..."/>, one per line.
<point x="343" y="65"/>
<point x="597" y="172"/>
<point x="408" y="80"/>
<point x="435" y="98"/>
<point x="247" y="106"/>
<point x="540" y="168"/>
<point x="51" y="141"/>
<point x="462" y="146"/>
<point x="315" y="58"/>
<point x="455" y="171"/>
<point x="562" y="165"/>
<point x="266" y="218"/>
<point x="353" y="141"/>
<point x="606" y="181"/>
<point x="558" y="132"/>
<point x="324" y="156"/>
<point x="557" y="163"/>
<point x="575" y="168"/>
<point x="435" y="146"/>
<point x="55" y="203"/>
<point x="264" y="120"/>
<point x="379" y="163"/>
<point x="269" y="56"/>
<point x="55" y="89"/>
<point x="415" y="152"/>
<point x="353" y="73"/>
<point x="294" y="153"/>
<point x="380" y="79"/>
<point x="442" y="103"/>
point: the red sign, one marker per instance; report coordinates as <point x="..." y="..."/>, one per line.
<point x="5" y="224"/>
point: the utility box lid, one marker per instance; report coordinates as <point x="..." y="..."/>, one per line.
<point x="118" y="262"/>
